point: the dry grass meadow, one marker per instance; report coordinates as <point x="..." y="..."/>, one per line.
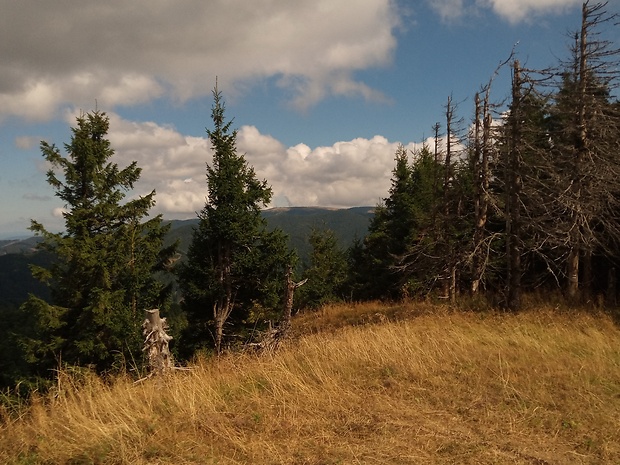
<point x="365" y="384"/>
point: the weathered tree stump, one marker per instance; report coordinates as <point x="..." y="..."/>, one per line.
<point x="156" y="343"/>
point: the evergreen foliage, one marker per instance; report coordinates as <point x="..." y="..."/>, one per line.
<point x="327" y="271"/>
<point x="391" y="261"/>
<point x="529" y="202"/>
<point x="389" y="233"/>
<point x="106" y="260"/>
<point x="235" y="273"/>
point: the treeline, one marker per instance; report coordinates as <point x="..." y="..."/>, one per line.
<point x="523" y="197"/>
<point x="111" y="263"/>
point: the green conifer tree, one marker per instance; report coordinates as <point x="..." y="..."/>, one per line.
<point x="384" y="266"/>
<point x="234" y="275"/>
<point x="326" y="272"/>
<point x="388" y="234"/>
<point x="103" y="277"/>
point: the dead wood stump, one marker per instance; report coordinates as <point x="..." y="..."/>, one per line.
<point x="156" y="343"/>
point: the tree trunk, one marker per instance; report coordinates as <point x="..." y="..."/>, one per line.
<point x="479" y="223"/>
<point x="513" y="209"/>
<point x="224" y="306"/>
<point x="285" y="323"/>
<point x="221" y="312"/>
<point x="453" y="287"/>
<point x="219" y="334"/>
<point x="274" y="336"/>
<point x="156" y="342"/>
<point x="572" y="274"/>
<point x="581" y="149"/>
<point x="481" y="173"/>
<point x="449" y="272"/>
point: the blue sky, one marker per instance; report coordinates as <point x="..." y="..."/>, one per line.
<point x="321" y="91"/>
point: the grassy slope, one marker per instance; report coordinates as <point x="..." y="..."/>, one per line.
<point x="404" y="384"/>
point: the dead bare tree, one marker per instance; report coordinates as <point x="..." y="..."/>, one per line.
<point x="451" y="207"/>
<point x="273" y="337"/>
<point x="156" y="341"/>
<point x="482" y="152"/>
<point x="513" y="193"/>
<point x="593" y="150"/>
<point x="574" y="184"/>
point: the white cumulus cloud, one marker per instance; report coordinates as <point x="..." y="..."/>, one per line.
<point x="346" y="174"/>
<point x="513" y="11"/>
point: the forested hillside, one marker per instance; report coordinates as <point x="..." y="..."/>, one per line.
<point x="18" y="245"/>
<point x="297" y="223"/>
<point x="16" y="256"/>
<point x="519" y="197"/>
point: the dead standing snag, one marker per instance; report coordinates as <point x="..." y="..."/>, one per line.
<point x="156" y="342"/>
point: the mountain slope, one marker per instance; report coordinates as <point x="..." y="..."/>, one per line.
<point x="297" y="222"/>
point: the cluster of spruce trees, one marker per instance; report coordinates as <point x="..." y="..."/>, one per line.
<point x="527" y="198"/>
<point x="111" y="263"/>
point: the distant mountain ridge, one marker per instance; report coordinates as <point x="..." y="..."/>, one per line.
<point x="19" y="245"/>
<point x="296" y="222"/>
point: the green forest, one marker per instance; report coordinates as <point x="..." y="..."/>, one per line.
<point x="520" y="197"/>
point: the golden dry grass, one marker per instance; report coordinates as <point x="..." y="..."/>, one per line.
<point x="442" y="387"/>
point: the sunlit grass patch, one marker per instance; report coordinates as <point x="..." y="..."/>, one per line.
<point x="417" y="385"/>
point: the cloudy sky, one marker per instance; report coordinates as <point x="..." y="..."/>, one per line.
<point x="321" y="91"/>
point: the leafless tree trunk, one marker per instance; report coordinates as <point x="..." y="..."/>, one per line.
<point x="483" y="151"/>
<point x="285" y="323"/>
<point x="450" y="260"/>
<point x="513" y="188"/>
<point x="480" y="220"/>
<point x="156" y="342"/>
<point x="436" y="180"/>
<point x="572" y="264"/>
<point x="482" y="148"/>
<point x="221" y="312"/>
<point x="223" y="307"/>
<point x="274" y="336"/>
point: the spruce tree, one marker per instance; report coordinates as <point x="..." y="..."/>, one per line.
<point x="389" y="233"/>
<point x="326" y="272"/>
<point x="420" y="266"/>
<point x="103" y="277"/>
<point x="387" y="264"/>
<point x="233" y="279"/>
